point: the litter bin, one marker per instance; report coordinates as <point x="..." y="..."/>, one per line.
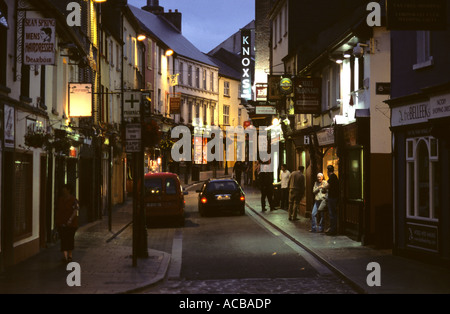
<point x="276" y="194"/>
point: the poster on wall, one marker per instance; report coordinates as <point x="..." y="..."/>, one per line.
<point x="9" y="127"/>
<point x="39" y="41"/>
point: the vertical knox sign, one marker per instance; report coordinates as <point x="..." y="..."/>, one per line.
<point x="246" y="77"/>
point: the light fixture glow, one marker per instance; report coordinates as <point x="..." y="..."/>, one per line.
<point x="347" y="55"/>
<point x="100" y="1"/>
<point x="141" y="37"/>
<point x="169" y="52"/>
<point x="339" y="61"/>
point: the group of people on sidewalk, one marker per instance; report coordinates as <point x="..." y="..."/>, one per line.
<point x="293" y="188"/>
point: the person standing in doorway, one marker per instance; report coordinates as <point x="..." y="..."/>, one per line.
<point x="320" y="196"/>
<point x="66" y="220"/>
<point x="296" y="192"/>
<point x="333" y="199"/>
<point x="284" y="177"/>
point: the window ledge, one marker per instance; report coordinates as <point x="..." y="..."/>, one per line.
<point x="425" y="64"/>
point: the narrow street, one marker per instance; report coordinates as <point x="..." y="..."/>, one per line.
<point x="230" y="254"/>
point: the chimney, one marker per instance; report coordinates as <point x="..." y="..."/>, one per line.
<point x="153" y="7"/>
<point x="174" y="18"/>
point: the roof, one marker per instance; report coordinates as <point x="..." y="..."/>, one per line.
<point x="161" y="175"/>
<point x="170" y="36"/>
<point x="227" y="64"/>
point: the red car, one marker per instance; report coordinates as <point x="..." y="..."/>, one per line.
<point x="164" y="198"/>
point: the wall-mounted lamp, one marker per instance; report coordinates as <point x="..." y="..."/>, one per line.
<point x="169" y="52"/>
<point x="347" y="55"/>
<point x="358" y="51"/>
<point x="141" y="37"/>
<point x="100" y="1"/>
<point x="339" y="61"/>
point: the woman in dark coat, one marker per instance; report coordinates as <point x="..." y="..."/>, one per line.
<point x="66" y="220"/>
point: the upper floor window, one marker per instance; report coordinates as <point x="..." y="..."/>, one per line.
<point x="204" y="79"/>
<point x="424" y="57"/>
<point x="211" y="83"/>
<point x="226" y="115"/>
<point x="180" y="77"/>
<point x="189" y="75"/>
<point x="197" y="77"/>
<point x="226" y="88"/>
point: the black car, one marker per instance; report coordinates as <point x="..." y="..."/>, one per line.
<point x="218" y="195"/>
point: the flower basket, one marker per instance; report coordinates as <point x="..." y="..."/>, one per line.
<point x="37" y="139"/>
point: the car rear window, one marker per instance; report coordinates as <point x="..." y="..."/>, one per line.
<point x="153" y="186"/>
<point x="222" y="186"/>
<point x="171" y="186"/>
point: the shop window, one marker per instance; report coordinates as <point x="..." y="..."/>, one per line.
<point x="422" y="178"/>
<point x="23" y="172"/>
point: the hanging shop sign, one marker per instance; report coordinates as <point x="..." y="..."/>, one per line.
<point x="325" y="137"/>
<point x="273" y="90"/>
<point x="261" y="92"/>
<point x="308" y="95"/>
<point x="131" y="106"/>
<point x="246" y="76"/>
<point x="416" y="14"/>
<point x="133" y="138"/>
<point x="286" y="86"/>
<point x="80" y="99"/>
<point x="175" y="105"/>
<point x="39" y="41"/>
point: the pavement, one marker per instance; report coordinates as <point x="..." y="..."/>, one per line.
<point x="105" y="259"/>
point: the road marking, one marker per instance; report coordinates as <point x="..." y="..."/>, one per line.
<point x="174" y="271"/>
<point x="316" y="264"/>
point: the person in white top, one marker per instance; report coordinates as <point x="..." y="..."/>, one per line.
<point x="284" y="177"/>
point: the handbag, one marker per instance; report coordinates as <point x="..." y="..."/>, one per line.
<point x="323" y="206"/>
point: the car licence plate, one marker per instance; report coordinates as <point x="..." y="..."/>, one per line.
<point x="223" y="197"/>
<point x="153" y="204"/>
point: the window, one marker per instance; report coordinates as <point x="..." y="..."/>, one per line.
<point x="197" y="112"/>
<point x="119" y="67"/>
<point x="153" y="186"/>
<point x="190" y="112"/>
<point x="190" y="75"/>
<point x="212" y="114"/>
<point x="355" y="174"/>
<point x="171" y="187"/>
<point x="197" y="77"/>
<point x="422" y="178"/>
<point x="180" y="77"/>
<point x="424" y="57"/>
<point x="211" y="83"/>
<point x="149" y="54"/>
<point x="226" y="115"/>
<point x="226" y="89"/>
<point x="204" y="79"/>
<point x="205" y="117"/>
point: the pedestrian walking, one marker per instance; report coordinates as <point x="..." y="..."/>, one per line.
<point x="266" y="186"/>
<point x="237" y="170"/>
<point x="320" y="191"/>
<point x="66" y="220"/>
<point x="296" y="192"/>
<point x="333" y="199"/>
<point x="284" y="178"/>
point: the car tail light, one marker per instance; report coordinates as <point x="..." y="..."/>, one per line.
<point x="242" y="198"/>
<point x="204" y="200"/>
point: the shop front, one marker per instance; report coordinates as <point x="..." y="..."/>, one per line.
<point x="421" y="176"/>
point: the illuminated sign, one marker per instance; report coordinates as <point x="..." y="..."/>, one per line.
<point x="80" y="99"/>
<point x="246" y="77"/>
<point x="286" y="86"/>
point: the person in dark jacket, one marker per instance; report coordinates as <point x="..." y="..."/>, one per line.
<point x="333" y="199"/>
<point x="66" y="220"/>
<point x="266" y="186"/>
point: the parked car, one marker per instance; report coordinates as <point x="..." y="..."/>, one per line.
<point x="218" y="195"/>
<point x="164" y="198"/>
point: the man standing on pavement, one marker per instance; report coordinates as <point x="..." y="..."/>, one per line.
<point x="333" y="198"/>
<point x="284" y="176"/>
<point x="266" y="186"/>
<point x="296" y="192"/>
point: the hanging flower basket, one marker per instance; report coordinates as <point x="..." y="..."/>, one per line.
<point x="166" y="144"/>
<point x="37" y="139"/>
